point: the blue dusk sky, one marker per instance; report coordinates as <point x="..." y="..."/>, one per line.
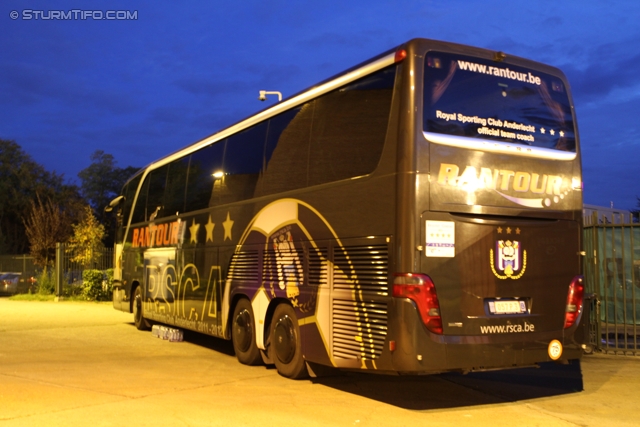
<point x="141" y="88"/>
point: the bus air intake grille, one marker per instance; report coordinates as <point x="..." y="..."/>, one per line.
<point x="359" y="329"/>
<point x="318" y="267"/>
<point x="244" y="266"/>
<point x="363" y="269"/>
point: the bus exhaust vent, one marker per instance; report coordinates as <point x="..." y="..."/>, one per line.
<point x="244" y="266"/>
<point x="359" y="329"/>
<point x="363" y="269"/>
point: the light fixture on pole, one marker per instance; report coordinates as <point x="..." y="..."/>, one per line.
<point x="263" y="95"/>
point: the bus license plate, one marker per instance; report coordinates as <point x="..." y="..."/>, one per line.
<point x="507" y="307"/>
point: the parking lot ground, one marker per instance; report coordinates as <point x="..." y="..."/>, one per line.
<point x="85" y="364"/>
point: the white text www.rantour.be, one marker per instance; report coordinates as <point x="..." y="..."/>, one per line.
<point x="507" y="329"/>
<point x="499" y="72"/>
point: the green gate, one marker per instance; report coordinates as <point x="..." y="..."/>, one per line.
<point x="612" y="274"/>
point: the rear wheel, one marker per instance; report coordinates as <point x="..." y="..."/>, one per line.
<point x="286" y="347"/>
<point x="141" y="323"/>
<point x="243" y="334"/>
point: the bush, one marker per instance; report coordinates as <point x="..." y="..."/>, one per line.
<point x="92" y="284"/>
<point x="46" y="282"/>
<point x="72" y="289"/>
<point x="109" y="284"/>
<point x="97" y="284"/>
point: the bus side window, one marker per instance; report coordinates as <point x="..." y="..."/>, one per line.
<point x="349" y="128"/>
<point x="242" y="164"/>
<point x="140" y="208"/>
<point x="205" y="167"/>
<point x="174" y="193"/>
<point x="287" y="151"/>
<point x="155" y="196"/>
<point x="129" y="192"/>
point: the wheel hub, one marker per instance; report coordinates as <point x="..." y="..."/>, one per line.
<point x="284" y="339"/>
<point x="243" y="330"/>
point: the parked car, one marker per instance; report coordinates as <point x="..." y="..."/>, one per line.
<point x="9" y="282"/>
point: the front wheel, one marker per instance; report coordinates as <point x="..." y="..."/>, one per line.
<point x="243" y="334"/>
<point x="286" y="348"/>
<point x="141" y="323"/>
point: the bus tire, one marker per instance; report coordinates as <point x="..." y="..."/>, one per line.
<point x="286" y="346"/>
<point x="243" y="334"/>
<point x="141" y="323"/>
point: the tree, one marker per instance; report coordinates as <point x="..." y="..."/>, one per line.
<point x="45" y="225"/>
<point x="86" y="243"/>
<point x="102" y="181"/>
<point x="21" y="181"/>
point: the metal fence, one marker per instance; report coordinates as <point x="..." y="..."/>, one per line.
<point x="70" y="271"/>
<point x="612" y="273"/>
<point x="24" y="272"/>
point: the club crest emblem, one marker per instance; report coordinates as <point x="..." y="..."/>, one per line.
<point x="510" y="261"/>
<point x="289" y="265"/>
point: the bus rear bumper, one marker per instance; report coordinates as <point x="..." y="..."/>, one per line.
<point x="412" y="349"/>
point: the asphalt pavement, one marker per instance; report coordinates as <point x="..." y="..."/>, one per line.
<point x="85" y="364"/>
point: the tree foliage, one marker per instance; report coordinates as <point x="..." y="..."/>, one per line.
<point x="34" y="199"/>
<point x="21" y="181"/>
<point x="86" y="243"/>
<point x="45" y="225"/>
<point x="102" y="181"/>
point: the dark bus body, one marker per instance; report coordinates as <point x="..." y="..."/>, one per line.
<point x="419" y="213"/>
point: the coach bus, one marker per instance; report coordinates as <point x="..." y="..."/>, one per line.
<point x="417" y="213"/>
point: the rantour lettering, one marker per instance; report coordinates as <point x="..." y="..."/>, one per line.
<point x="499" y="179"/>
<point x="157" y="235"/>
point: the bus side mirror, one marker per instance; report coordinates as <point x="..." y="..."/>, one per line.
<point x="114" y="203"/>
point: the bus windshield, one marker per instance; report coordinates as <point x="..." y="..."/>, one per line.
<point x="476" y="98"/>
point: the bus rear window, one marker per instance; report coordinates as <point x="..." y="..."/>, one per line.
<point x="485" y="100"/>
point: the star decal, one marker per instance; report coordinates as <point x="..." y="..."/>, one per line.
<point x="553" y="132"/>
<point x="561" y="133"/>
<point x="194" y="231"/>
<point x="209" y="227"/>
<point x="499" y="230"/>
<point x="517" y="230"/>
<point x="508" y="230"/>
<point x="227" y="224"/>
<point x="542" y="130"/>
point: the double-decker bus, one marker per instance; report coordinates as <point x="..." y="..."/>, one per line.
<point x="418" y="213"/>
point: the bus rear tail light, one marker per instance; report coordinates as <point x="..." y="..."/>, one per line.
<point x="574" y="302"/>
<point x="420" y="289"/>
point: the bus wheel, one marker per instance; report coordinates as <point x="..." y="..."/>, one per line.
<point x="243" y="334"/>
<point x="286" y="348"/>
<point x="141" y="323"/>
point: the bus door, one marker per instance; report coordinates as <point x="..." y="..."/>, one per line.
<point x="160" y="281"/>
<point x="199" y="290"/>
